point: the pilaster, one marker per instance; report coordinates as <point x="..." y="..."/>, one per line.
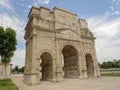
<point x="59" y="69"/>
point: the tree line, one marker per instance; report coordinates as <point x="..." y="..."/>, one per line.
<point x="110" y="64"/>
<point x="17" y="70"/>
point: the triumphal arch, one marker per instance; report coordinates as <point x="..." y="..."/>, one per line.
<point x="58" y="46"/>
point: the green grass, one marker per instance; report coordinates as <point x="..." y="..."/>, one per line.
<point x="109" y="70"/>
<point x="7" y="84"/>
<point x="111" y="74"/>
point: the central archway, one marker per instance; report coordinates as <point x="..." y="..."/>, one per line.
<point x="46" y="66"/>
<point x="70" y="62"/>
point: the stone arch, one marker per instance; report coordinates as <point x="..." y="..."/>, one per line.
<point x="71" y="44"/>
<point x="46" y="60"/>
<point x="89" y="65"/>
<point x="70" y="58"/>
<point x="46" y="66"/>
<point x="45" y="50"/>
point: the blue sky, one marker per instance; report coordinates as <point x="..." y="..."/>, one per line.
<point x="103" y="17"/>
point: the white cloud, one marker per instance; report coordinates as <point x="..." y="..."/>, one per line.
<point x="45" y="1"/>
<point x="107" y="31"/>
<point x="6" y="4"/>
<point x="19" y="58"/>
<point x="115" y="13"/>
<point x="21" y="4"/>
<point x="97" y="20"/>
<point x="10" y="19"/>
<point x="108" y="36"/>
<point x="112" y="8"/>
<point x="38" y="2"/>
<point x="115" y="8"/>
<point x="29" y="6"/>
<point x="113" y="1"/>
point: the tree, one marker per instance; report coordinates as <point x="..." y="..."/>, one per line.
<point x="110" y="64"/>
<point x="21" y="69"/>
<point x="16" y="69"/>
<point x="8" y="44"/>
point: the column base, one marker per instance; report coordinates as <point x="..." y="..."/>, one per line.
<point x="85" y="74"/>
<point x="53" y="80"/>
<point x="31" y="79"/>
<point x="80" y="76"/>
<point x="59" y="76"/>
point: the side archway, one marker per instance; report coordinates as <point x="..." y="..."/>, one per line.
<point x="89" y="65"/>
<point x="46" y="61"/>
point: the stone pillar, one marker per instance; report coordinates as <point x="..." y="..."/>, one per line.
<point x="39" y="68"/>
<point x="31" y="76"/>
<point x="80" y="61"/>
<point x="59" y="71"/>
<point x="96" y="67"/>
<point x="26" y="57"/>
<point x="34" y="66"/>
<point x="80" y="66"/>
<point x="25" y="71"/>
<point x="84" y="67"/>
<point x="97" y="70"/>
<point x="53" y="70"/>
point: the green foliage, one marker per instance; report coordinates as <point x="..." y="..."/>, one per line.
<point x="16" y="69"/>
<point x="7" y="84"/>
<point x="110" y="64"/>
<point x="8" y="44"/>
<point x="21" y="69"/>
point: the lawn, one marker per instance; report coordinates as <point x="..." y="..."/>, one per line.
<point x="111" y="74"/>
<point x="7" y="84"/>
<point x="109" y="70"/>
<point x="115" y="72"/>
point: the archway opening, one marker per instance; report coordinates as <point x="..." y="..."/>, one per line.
<point x="46" y="66"/>
<point x="89" y="65"/>
<point x="70" y="62"/>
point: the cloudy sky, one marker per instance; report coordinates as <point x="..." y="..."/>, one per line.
<point x="103" y="17"/>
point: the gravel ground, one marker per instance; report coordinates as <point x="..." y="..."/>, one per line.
<point x="101" y="83"/>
